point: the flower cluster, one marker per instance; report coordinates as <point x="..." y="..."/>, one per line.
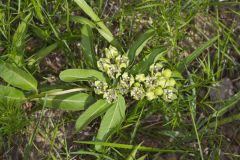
<point x="159" y="83"/>
<point x="114" y="63"/>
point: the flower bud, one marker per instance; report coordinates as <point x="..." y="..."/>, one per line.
<point x="150" y="95"/>
<point x="170" y="83"/>
<point x="158" y="91"/>
<point x="137" y="84"/>
<point x="167" y="73"/>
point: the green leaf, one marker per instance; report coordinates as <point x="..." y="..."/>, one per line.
<point x="38" y="9"/>
<point x="71" y="101"/>
<point x="87" y="46"/>
<point x="138" y="45"/>
<point x="11" y="95"/>
<point x="111" y="120"/>
<point x="185" y="62"/>
<point x="37" y="57"/>
<point x="18" y="41"/>
<point x="89" y="11"/>
<point x="72" y="75"/>
<point x="17" y="77"/>
<point x="91" y="113"/>
<point x="148" y="60"/>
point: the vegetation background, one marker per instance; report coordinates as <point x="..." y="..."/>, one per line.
<point x="202" y="124"/>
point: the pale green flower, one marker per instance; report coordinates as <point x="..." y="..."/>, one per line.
<point x="122" y="61"/>
<point x="111" y="52"/>
<point x="150" y="95"/>
<point x="103" y="64"/>
<point x="128" y="78"/>
<point x="113" y="71"/>
<point x="100" y="87"/>
<point x="170" y="82"/>
<point x="167" y="73"/>
<point x="169" y="94"/>
<point x="161" y="82"/>
<point x="110" y="95"/>
<point x="150" y="82"/>
<point x="154" y="68"/>
<point x="140" y="77"/>
<point x="158" y="91"/>
<point x="125" y="83"/>
<point x="137" y="93"/>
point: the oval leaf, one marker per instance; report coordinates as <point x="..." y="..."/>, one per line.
<point x="111" y="120"/>
<point x="70" y="101"/>
<point x="11" y="95"/>
<point x="17" y="77"/>
<point x="91" y="113"/>
<point x="72" y="75"/>
<point x="138" y="45"/>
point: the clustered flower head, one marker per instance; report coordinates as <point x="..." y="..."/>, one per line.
<point x="158" y="83"/>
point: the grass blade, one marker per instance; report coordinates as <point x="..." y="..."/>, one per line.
<point x="185" y="62"/>
<point x="38" y="9"/>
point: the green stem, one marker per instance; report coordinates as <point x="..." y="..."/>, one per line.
<point x="43" y="94"/>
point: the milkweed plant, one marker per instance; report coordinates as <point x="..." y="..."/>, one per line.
<point x="107" y="83"/>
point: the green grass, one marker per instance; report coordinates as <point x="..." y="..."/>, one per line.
<point x="194" y="38"/>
